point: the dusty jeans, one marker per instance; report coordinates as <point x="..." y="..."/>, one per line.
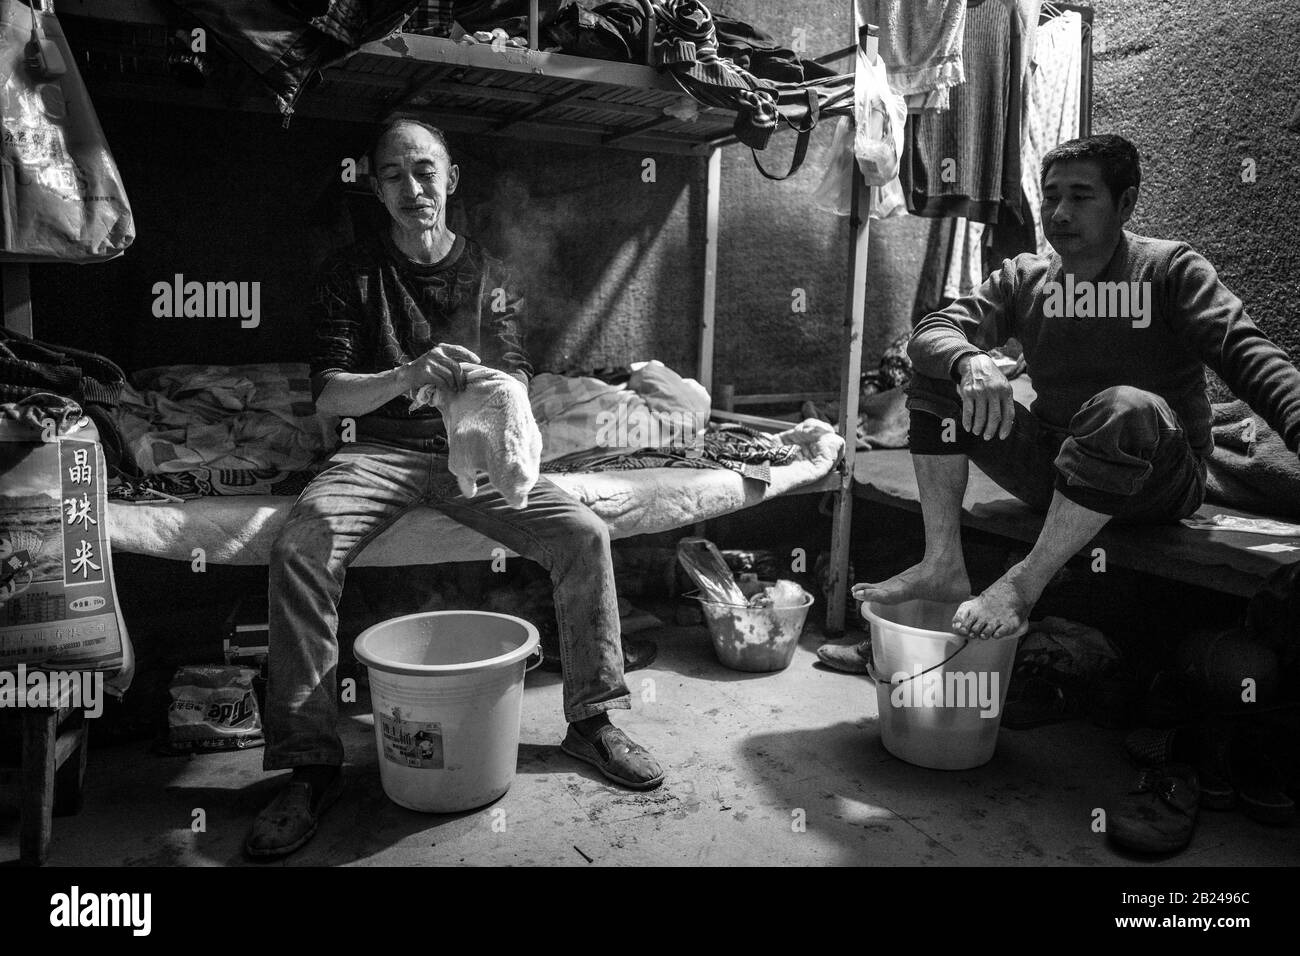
<point x="366" y="489"/>
<point x="1124" y="453"/>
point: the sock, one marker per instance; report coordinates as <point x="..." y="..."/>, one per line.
<point x="590" y="725"/>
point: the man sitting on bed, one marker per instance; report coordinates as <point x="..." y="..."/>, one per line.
<point x="1115" y="329"/>
<point x="419" y="305"/>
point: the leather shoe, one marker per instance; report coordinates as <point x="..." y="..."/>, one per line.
<point x="1159" y="814"/>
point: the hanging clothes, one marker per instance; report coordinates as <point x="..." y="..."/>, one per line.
<point x="1052" y="106"/>
<point x="920" y="41"/>
<point x="965" y="161"/>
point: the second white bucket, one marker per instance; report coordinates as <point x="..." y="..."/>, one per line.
<point x="939" y="696"/>
<point x="446" y="689"/>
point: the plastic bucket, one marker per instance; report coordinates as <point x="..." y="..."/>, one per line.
<point x="755" y="638"/>
<point x="446" y="688"/>
<point x="939" y="695"/>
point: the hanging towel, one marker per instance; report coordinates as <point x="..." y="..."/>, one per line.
<point x="1052" y="106"/>
<point x="920" y="41"/>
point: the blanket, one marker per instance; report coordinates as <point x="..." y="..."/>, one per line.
<point x="234" y="530"/>
<point x="1251" y="469"/>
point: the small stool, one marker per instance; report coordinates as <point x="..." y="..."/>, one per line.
<point x="51" y="775"/>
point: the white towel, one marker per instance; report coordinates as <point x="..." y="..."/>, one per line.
<point x="490" y="429"/>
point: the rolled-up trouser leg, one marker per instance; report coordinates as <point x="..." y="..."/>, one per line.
<point x="1127" y="456"/>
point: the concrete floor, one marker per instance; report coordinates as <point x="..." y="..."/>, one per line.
<point x="745" y="754"/>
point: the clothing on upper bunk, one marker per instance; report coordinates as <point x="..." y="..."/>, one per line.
<point x="965" y="160"/>
<point x="376" y="308"/>
<point x="1051" y="106"/>
<point x="1190" y="320"/>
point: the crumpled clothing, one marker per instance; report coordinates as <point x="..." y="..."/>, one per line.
<point x="206" y="482"/>
<point x="241" y="417"/>
<point x="654" y="408"/>
<point x="734" y="447"/>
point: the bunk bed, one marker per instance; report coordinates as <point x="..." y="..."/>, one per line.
<point x="484" y="91"/>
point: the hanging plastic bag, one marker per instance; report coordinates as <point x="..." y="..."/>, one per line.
<point x="835" y="192"/>
<point x="61" y="198"/>
<point x="880" y="116"/>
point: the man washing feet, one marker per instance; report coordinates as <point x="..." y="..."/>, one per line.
<point x="1117" y="329"/>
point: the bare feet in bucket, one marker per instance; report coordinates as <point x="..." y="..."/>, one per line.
<point x="1001" y="611"/>
<point x="927" y="581"/>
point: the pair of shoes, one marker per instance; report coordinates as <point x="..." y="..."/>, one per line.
<point x="1203" y="746"/>
<point x="849" y="658"/>
<point x="1159" y="814"/>
<point x="636" y="655"/>
<point x="291" y="819"/>
<point x="616" y="756"/>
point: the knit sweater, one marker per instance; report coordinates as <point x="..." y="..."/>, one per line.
<point x="376" y="308"/>
<point x="1193" y="319"/>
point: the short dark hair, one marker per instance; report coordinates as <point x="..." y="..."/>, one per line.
<point x="373" y="154"/>
<point x="1117" y="157"/>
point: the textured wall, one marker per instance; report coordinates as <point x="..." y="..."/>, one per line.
<point x="1199" y="92"/>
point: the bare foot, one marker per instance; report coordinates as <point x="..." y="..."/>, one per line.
<point x="1001" y="611"/>
<point x="921" y="582"/>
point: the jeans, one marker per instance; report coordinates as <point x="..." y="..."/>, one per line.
<point x="366" y="488"/>
<point x="1124" y="453"/>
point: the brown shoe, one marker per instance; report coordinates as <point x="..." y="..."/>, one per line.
<point x="615" y="755"/>
<point x="290" y="820"/>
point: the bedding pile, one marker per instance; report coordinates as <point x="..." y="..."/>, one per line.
<point x="197" y="430"/>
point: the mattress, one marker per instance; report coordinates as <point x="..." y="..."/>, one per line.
<point x="241" y="530"/>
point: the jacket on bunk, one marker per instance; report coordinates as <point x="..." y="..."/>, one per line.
<point x="1189" y="318"/>
<point x="376" y="308"/>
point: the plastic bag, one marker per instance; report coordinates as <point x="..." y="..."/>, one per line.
<point x="61" y="198"/>
<point x="213" y="708"/>
<point x="835" y="192"/>
<point x="879" y="118"/>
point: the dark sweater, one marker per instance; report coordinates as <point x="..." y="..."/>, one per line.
<point x="376" y="308"/>
<point x="1194" y="319"/>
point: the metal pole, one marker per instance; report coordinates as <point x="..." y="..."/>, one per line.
<point x="850" y="377"/>
<point x="708" y="309"/>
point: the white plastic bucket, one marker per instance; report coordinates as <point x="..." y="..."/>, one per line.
<point x="939" y="695"/>
<point x="446" y="688"/>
